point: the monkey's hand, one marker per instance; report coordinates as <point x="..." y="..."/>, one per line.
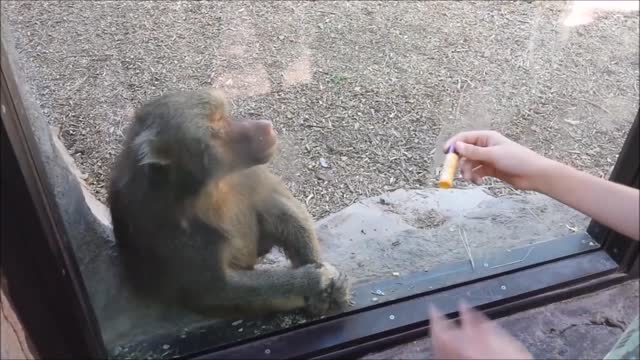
<point x="333" y="291"/>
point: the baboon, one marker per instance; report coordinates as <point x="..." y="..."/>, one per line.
<point x="194" y="207"/>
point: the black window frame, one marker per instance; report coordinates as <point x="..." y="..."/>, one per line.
<point x="42" y="279"/>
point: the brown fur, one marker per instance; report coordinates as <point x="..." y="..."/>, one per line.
<point x="201" y="177"/>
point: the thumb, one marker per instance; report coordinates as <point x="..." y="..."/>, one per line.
<point x="473" y="152"/>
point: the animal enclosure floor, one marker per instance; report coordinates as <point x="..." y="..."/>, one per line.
<point x="376" y="241"/>
<point x="361" y="93"/>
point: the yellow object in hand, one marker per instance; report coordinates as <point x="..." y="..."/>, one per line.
<point x="448" y="169"/>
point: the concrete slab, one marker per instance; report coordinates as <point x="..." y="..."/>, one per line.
<point x="411" y="230"/>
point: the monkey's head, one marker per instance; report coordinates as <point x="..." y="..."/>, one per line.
<point x="190" y="136"/>
<point x="238" y="143"/>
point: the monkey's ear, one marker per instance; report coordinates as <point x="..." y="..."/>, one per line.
<point x="219" y="106"/>
<point x="148" y="152"/>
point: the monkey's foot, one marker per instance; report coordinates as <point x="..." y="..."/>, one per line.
<point x="334" y="291"/>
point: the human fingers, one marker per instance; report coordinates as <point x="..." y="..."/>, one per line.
<point x="466" y="167"/>
<point x="476" y="324"/>
<point x="473" y="152"/>
<point x="475" y="137"/>
<point x="496" y="342"/>
<point x="466" y="170"/>
<point x="472" y="321"/>
<point x="438" y="322"/>
<point x="478" y="173"/>
<point x="442" y="332"/>
<point x="472" y="137"/>
<point x="475" y="171"/>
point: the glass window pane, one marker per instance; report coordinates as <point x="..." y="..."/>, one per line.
<point x="363" y="96"/>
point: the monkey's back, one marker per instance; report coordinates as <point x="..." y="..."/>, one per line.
<point x="165" y="247"/>
<point x="164" y="250"/>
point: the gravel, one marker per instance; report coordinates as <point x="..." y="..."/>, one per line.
<point x="361" y="93"/>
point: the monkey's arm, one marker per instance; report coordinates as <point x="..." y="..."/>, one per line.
<point x="315" y="287"/>
<point x="214" y="287"/>
<point x="285" y="222"/>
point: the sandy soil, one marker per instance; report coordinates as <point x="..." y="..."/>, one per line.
<point x="362" y="93"/>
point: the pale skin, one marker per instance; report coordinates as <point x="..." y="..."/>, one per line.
<point x="482" y="338"/>
<point x="488" y="153"/>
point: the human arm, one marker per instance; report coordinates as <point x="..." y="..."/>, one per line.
<point x="613" y="205"/>
<point x="488" y="153"/>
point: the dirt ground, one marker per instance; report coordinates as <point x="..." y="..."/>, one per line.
<point x="362" y="93"/>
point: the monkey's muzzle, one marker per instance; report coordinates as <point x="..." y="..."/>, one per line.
<point x="255" y="138"/>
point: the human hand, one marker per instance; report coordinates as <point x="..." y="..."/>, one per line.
<point x="488" y="153"/>
<point x="476" y="338"/>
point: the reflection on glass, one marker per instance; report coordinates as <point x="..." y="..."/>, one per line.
<point x="362" y="95"/>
